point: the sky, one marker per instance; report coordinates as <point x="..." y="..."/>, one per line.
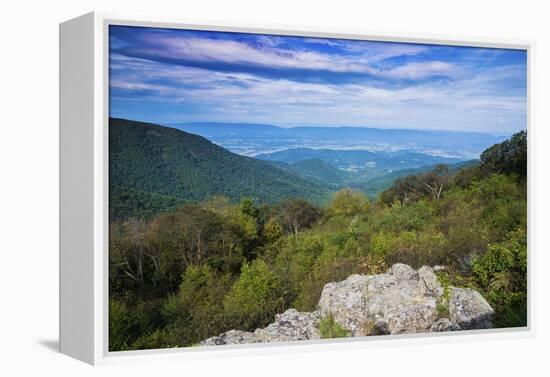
<point x="172" y="76"/>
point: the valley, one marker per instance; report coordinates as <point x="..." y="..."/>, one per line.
<point x="154" y="168"/>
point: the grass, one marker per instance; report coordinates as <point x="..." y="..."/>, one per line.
<point x="331" y="329"/>
<point x="442" y="307"/>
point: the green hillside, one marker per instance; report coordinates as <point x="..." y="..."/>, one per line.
<point x="372" y="187"/>
<point x="125" y="203"/>
<point x="321" y="171"/>
<point x="154" y="168"/>
<point x="317" y="171"/>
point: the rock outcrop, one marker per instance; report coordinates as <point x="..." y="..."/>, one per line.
<point x="469" y="309"/>
<point x="290" y="325"/>
<point x="401" y="301"/>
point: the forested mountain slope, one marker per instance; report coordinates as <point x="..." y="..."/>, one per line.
<point x="151" y="166"/>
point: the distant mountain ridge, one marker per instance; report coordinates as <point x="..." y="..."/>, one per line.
<point x="316" y="129"/>
<point x="377" y="133"/>
<point x="152" y="163"/>
<point x="369" y="163"/>
<point x="258" y="139"/>
<point x="209" y="129"/>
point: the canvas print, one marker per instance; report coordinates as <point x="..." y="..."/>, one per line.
<point x="268" y="188"/>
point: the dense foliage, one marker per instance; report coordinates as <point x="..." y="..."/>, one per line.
<point x="208" y="267"/>
<point x="154" y="169"/>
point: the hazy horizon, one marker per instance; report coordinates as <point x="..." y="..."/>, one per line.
<point x="284" y="126"/>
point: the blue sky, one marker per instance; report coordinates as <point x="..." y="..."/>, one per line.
<point x="168" y="76"/>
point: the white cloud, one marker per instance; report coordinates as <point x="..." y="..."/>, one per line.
<point x="468" y="102"/>
<point x="422" y="70"/>
<point x="269" y="55"/>
<point x="365" y="56"/>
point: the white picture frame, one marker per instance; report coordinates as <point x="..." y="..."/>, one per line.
<point x="84" y="191"/>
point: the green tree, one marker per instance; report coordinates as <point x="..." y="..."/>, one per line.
<point x="502" y="274"/>
<point x="122" y="326"/>
<point x="196" y="311"/>
<point x="255" y="297"/>
<point x="348" y="202"/>
<point x="508" y="157"/>
<point x="192" y="233"/>
<point x="247" y="207"/>
<point x="238" y="232"/>
<point x="272" y="231"/>
<point x="297" y="214"/>
<point x="128" y="322"/>
<point x="412" y="188"/>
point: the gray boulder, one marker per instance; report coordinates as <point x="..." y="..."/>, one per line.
<point x="400" y="301"/>
<point x="445" y="324"/>
<point x="229" y="337"/>
<point x="291" y="325"/>
<point x="288" y="326"/>
<point x="468" y="308"/>
<point x="346" y="302"/>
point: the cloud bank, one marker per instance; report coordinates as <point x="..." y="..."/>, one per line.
<point x="167" y="75"/>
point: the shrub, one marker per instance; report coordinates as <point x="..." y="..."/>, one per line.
<point x="330" y="266"/>
<point x="495" y="186"/>
<point x="122" y="326"/>
<point x="254" y="298"/>
<point x="412" y="188"/>
<point x="272" y="231"/>
<point x="329" y="328"/>
<point x="413" y="248"/>
<point x="159" y="338"/>
<point x="508" y="157"/>
<point x="442" y="307"/>
<point x="465" y="236"/>
<point x="196" y="311"/>
<point x="128" y="321"/>
<point x="237" y="233"/>
<point x="413" y="217"/>
<point x="348" y="202"/>
<point x="298" y="214"/>
<point x="502" y="216"/>
<point x="295" y="262"/>
<point x="502" y="274"/>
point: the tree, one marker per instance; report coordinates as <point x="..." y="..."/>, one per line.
<point x="508" y="157"/>
<point x="255" y="297"/>
<point x="192" y="232"/>
<point x="238" y="231"/>
<point x="436" y="180"/>
<point x="272" y="231"/>
<point x="297" y="214"/>
<point x="415" y="187"/>
<point x="247" y="207"/>
<point x="348" y="202"/>
<point x="196" y="311"/>
<point x="502" y="274"/>
<point x="131" y="257"/>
